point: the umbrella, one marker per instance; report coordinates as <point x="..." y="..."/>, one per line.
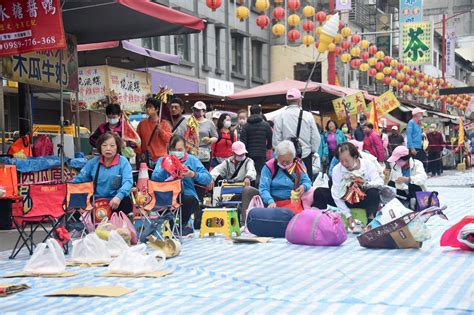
<point x="104" y="20"/>
<point x="123" y="54"/>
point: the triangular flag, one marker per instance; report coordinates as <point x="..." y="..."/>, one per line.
<point x="373" y="118"/>
<point x="128" y="132"/>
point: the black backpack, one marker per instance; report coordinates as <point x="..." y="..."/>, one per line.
<point x="296" y="139"/>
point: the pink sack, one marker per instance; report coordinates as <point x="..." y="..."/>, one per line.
<point x="317" y="228"/>
<point x="256" y="202"/>
<point x="308" y="198"/>
<point x="120" y="220"/>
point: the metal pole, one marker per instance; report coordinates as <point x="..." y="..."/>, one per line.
<point x="391" y="34"/>
<point x="61" y="118"/>
<point x="2" y="109"/>
<point x="443" y="59"/>
<point x="78" y="124"/>
<point x="346" y="74"/>
<point x="286" y="22"/>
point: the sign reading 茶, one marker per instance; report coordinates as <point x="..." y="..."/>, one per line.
<point x="102" y="85"/>
<point x="355" y="104"/>
<point x="385" y="103"/>
<point x="417" y="43"/>
<point x="43" y="68"/>
<point x="30" y="25"/>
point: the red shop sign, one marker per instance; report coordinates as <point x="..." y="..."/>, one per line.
<point x="30" y="25"/>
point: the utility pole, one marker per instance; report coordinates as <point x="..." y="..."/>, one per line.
<point x="331" y="55"/>
<point x="443" y="59"/>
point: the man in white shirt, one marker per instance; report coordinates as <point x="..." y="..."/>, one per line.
<point x="286" y="126"/>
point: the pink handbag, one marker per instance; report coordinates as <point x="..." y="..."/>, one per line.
<point x="255" y="202"/>
<point x="317" y="228"/>
<point x="120" y="220"/>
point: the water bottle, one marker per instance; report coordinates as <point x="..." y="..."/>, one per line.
<point x="142" y="181"/>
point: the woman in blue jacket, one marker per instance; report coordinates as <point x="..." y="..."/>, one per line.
<point x="197" y="174"/>
<point x="110" y="172"/>
<point x="332" y="137"/>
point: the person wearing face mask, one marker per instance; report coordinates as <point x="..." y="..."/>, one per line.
<point x="238" y="168"/>
<point x="395" y="139"/>
<point x="435" y="147"/>
<point x="277" y="183"/>
<point x="176" y="106"/>
<point x="345" y="130"/>
<point x="242" y="120"/>
<point x="207" y="134"/>
<point x="197" y="174"/>
<point x="373" y="142"/>
<point x="415" y="136"/>
<point x="222" y="148"/>
<point x="332" y="137"/>
<point x="113" y="124"/>
<point x="352" y="166"/>
<point x="407" y="175"/>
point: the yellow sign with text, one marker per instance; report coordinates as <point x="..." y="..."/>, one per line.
<point x="386" y="103"/>
<point x="355" y="103"/>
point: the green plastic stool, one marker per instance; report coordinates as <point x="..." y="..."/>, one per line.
<point x="357" y="214"/>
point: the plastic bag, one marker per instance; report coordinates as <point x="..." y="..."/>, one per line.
<point x="135" y="261"/>
<point x="116" y="244"/>
<point x="48" y="258"/>
<point x="321" y="181"/>
<point x="104" y="228"/>
<point x="120" y="220"/>
<point x="419" y="230"/>
<point x="91" y="249"/>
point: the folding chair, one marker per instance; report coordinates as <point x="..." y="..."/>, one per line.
<point x="164" y="198"/>
<point x="230" y="194"/>
<point x="43" y="205"/>
<point x="79" y="206"/>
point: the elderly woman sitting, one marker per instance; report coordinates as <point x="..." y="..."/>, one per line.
<point x="281" y="176"/>
<point x="407" y="175"/>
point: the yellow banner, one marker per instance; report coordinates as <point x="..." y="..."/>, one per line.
<point x="386" y="103"/>
<point x="417" y="43"/>
<point x="43" y="68"/>
<point x="355" y="104"/>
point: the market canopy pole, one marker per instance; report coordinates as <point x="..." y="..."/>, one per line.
<point x="2" y="109"/>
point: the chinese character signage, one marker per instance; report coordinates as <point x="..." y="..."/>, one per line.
<point x="417" y="43"/>
<point x="43" y="68"/>
<point x="411" y="11"/>
<point x="355" y="103"/>
<point x="101" y="85"/>
<point x="450" y="50"/>
<point x="342" y="5"/>
<point x="386" y="103"/>
<point x="30" y="25"/>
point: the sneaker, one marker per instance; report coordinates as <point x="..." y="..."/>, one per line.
<point x="187" y="230"/>
<point x="358" y="228"/>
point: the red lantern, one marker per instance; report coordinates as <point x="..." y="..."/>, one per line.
<point x="410" y="71"/>
<point x="394" y="73"/>
<point x="320" y="16"/>
<point x="355" y="63"/>
<point x="278" y="13"/>
<point x="400" y="66"/>
<point x="294" y="5"/>
<point x="364" y="55"/>
<point x="400" y="85"/>
<point x="372" y="72"/>
<point x="262" y="21"/>
<point x="406" y="78"/>
<point x="341" y="24"/>
<point x="355" y="39"/>
<point x="387" y="60"/>
<point x="308" y="25"/>
<point x="213" y="4"/>
<point x="338" y="51"/>
<point x="294" y="35"/>
<point x="387" y="80"/>
<point x="345" y="45"/>
<point x="379" y="66"/>
<point x="372" y="50"/>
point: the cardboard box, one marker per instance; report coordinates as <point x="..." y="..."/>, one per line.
<point x="392" y="235"/>
<point x="101" y="291"/>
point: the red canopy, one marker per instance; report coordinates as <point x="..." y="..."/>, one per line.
<point x="105" y="20"/>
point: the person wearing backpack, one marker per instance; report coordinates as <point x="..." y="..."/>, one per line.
<point x="222" y="148"/>
<point x="299" y="126"/>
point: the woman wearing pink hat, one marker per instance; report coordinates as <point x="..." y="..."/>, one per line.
<point x="407" y="175"/>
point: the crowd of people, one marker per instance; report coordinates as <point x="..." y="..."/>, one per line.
<point x="277" y="160"/>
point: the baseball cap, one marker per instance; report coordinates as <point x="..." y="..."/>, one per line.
<point x="200" y="105"/>
<point x="359" y="144"/>
<point x="238" y="147"/>
<point x="417" y="111"/>
<point x="433" y="126"/>
<point x="394" y="128"/>
<point x="216" y="115"/>
<point x="399" y="152"/>
<point x="293" y="94"/>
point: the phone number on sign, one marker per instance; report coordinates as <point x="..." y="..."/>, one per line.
<point x="28" y="42"/>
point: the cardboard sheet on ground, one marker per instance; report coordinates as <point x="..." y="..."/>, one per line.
<point x="23" y="274"/>
<point x="101" y="291"/>
<point x="157" y="274"/>
<point x="7" y="289"/>
<point x="251" y="240"/>
<point x="78" y="264"/>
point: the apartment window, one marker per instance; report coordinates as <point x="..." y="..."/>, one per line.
<point x="218" y="48"/>
<point x="182" y="47"/>
<point x="257" y="49"/>
<point x="237" y="54"/>
<point x="153" y="43"/>
<point x="205" y="59"/>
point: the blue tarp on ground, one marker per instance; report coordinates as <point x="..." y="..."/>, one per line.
<point x="33" y="164"/>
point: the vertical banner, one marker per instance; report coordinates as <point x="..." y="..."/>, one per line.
<point x="417" y="43"/>
<point x="411" y="11"/>
<point x="343" y="5"/>
<point x="450" y="50"/>
<point x="30" y="25"/>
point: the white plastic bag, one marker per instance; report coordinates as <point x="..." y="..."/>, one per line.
<point x="48" y="258"/>
<point x="90" y="250"/>
<point x="116" y="244"/>
<point x="135" y="261"/>
<point x="321" y="181"/>
<point x="392" y="211"/>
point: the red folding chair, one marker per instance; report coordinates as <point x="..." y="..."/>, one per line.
<point x="43" y="208"/>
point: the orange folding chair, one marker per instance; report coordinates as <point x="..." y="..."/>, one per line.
<point x="42" y="206"/>
<point x="79" y="207"/>
<point x="164" y="199"/>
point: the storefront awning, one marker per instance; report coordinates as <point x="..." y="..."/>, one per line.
<point x="454" y="119"/>
<point x="104" y="20"/>
<point x="123" y="54"/>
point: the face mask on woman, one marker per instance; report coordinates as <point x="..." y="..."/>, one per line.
<point x="178" y="154"/>
<point x="113" y="121"/>
<point x="227" y="124"/>
<point x="345" y="129"/>
<point x="240" y="158"/>
<point x="285" y="167"/>
<point x="400" y="163"/>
